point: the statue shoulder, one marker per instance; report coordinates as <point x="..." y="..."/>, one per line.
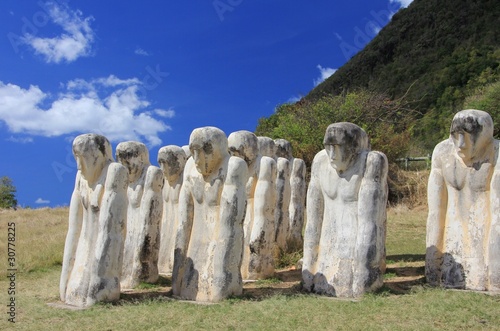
<point x="267" y="168"/>
<point x="319" y="160"/>
<point x="441" y="150"/>
<point x="117" y="176"/>
<point x="376" y="166"/>
<point x="154" y="178"/>
<point x="237" y="168"/>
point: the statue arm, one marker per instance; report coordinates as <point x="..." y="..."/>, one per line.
<point x="297" y="202"/>
<point x="264" y="204"/>
<point x="437" y="197"/>
<point x="314" y="211"/>
<point x="494" y="236"/>
<point x="183" y="231"/>
<point x="72" y="237"/>
<point x="111" y="234"/>
<point x="233" y="196"/>
<point x="369" y="257"/>
<point x="151" y="211"/>
<point x="229" y="249"/>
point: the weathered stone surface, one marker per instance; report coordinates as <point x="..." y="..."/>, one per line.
<point x="145" y="205"/>
<point x="463" y="224"/>
<point x="283" y="193"/>
<point x="344" y="241"/>
<point x="258" y="261"/>
<point x="186" y="150"/>
<point x="267" y="147"/>
<point x="172" y="160"/>
<point x="93" y="250"/>
<point x="209" y="241"/>
<point x="296" y="208"/>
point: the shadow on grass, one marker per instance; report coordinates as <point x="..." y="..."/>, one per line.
<point x="406" y="276"/>
<point x="160" y="289"/>
<point x="289" y="285"/>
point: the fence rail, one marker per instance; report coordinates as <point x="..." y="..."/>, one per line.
<point x="409" y="159"/>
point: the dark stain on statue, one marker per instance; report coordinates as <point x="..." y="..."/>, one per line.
<point x="208" y="148"/>
<point x="101" y="143"/>
<point x="127" y="154"/>
<point x="468" y="124"/>
<point x="173" y="163"/>
<point x="146" y="249"/>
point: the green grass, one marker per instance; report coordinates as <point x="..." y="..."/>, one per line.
<point x="267" y="282"/>
<point x="420" y="308"/>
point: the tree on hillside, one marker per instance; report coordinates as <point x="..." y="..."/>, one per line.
<point x="7" y="193"/>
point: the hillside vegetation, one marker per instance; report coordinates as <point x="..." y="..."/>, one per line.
<point x="433" y="59"/>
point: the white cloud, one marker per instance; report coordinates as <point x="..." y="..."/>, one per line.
<point x="75" y="42"/>
<point x="140" y="51"/>
<point x="110" y="106"/>
<point x="402" y="3"/>
<point x="324" y="74"/>
<point x="165" y="113"/>
<point x="41" y="201"/>
<point x="21" y="140"/>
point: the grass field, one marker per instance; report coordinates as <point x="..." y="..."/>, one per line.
<point x="404" y="303"/>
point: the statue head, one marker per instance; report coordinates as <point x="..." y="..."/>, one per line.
<point x="471" y="132"/>
<point x="267" y="147"/>
<point x="208" y="146"/>
<point x="343" y="143"/>
<point x="244" y="144"/>
<point x="92" y="153"/>
<point x="172" y="160"/>
<point x="134" y="156"/>
<point x="283" y="148"/>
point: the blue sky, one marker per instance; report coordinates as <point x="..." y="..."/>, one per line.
<point x="153" y="71"/>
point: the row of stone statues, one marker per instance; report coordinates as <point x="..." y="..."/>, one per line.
<point x="219" y="211"/>
<point x="183" y="217"/>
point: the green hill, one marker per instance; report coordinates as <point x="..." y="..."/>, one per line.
<point x="432" y="59"/>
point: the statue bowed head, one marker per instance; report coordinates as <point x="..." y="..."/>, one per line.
<point x="172" y="160"/>
<point x="463" y="224"/>
<point x="209" y="240"/>
<point x="145" y="182"/>
<point x="344" y="241"/>
<point x="92" y="258"/>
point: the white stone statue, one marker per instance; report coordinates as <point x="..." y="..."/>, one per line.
<point x="463" y="224"/>
<point x="283" y="194"/>
<point x="172" y="160"/>
<point x="344" y="240"/>
<point x="145" y="206"/>
<point x="209" y="241"/>
<point x="92" y="260"/>
<point x="296" y="209"/>
<point x="258" y="260"/>
<point x="267" y="147"/>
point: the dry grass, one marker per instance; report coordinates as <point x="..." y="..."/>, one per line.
<point x="408" y="187"/>
<point x="40" y="235"/>
<point x="274" y="304"/>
